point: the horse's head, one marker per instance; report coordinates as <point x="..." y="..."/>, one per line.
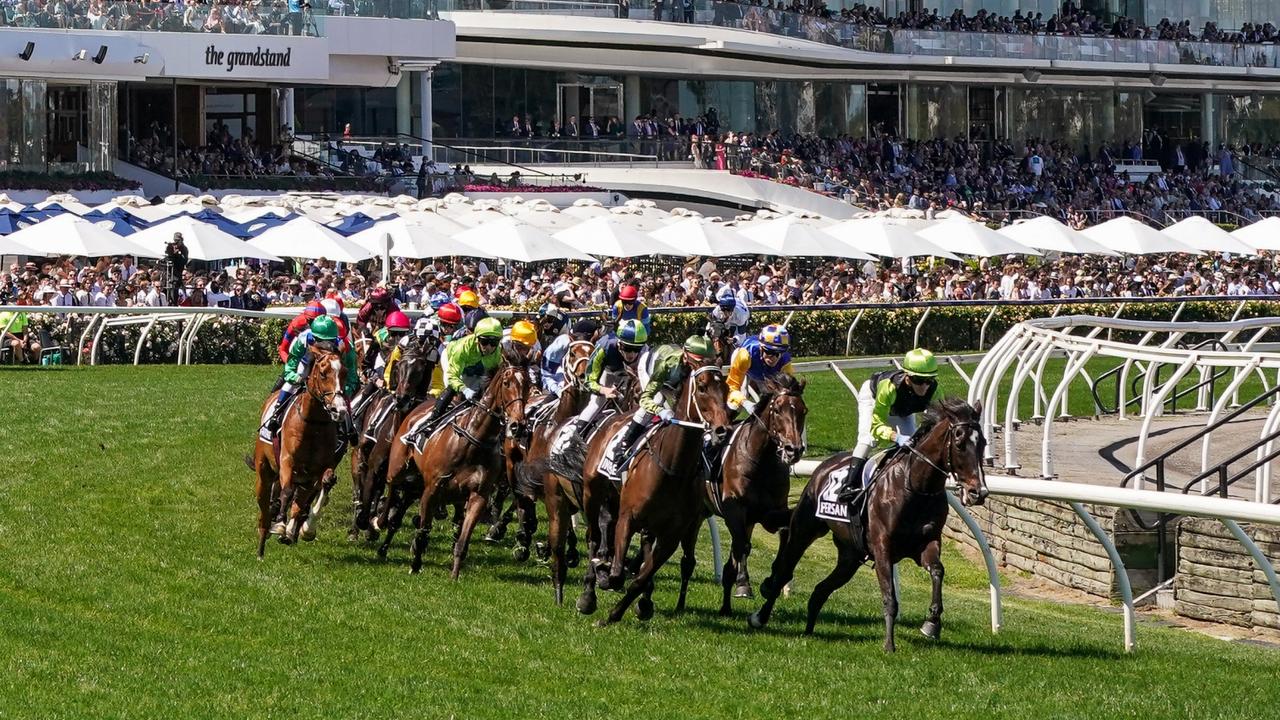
<point x="575" y="362"/>
<point x="707" y="402"/>
<point x="324" y="380"/>
<point x="510" y="389"/>
<point x="413" y="375"/>
<point x="782" y="412"/>
<point x="965" y="445"/>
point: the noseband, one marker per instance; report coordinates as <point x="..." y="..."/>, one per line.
<point x="954" y="433"/>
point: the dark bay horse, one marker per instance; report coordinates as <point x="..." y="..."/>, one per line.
<point x="460" y="461"/>
<point x="906" y="511"/>
<point x="411" y="375"/>
<point x="755" y="476"/>
<point x="662" y="495"/>
<point x="303" y="472"/>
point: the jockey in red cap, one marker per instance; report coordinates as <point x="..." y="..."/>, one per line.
<point x="299" y="325"/>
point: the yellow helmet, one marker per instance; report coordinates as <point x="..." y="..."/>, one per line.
<point x="468" y="299"/>
<point x="524" y="333"/>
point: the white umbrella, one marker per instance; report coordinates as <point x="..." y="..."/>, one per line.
<point x="416" y="240"/>
<point x="1046" y="233"/>
<point x="583" y="212"/>
<point x="513" y="240"/>
<point x="886" y="238"/>
<point x="305" y="238"/>
<point x="156" y="213"/>
<point x="203" y="241"/>
<point x="791" y="236"/>
<point x="610" y="237"/>
<point x="1197" y="232"/>
<point x="545" y="217"/>
<point x="69" y="234"/>
<point x="1262" y="235"/>
<point x="249" y="213"/>
<point x="696" y="236"/>
<point x="1126" y="235"/>
<point x="966" y="237"/>
<point x="67" y="202"/>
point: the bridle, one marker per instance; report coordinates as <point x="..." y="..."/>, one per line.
<point x="955" y="433"/>
<point x="771" y="434"/>
<point x="574" y="365"/>
<point x="325" y="397"/>
<point x="488" y="409"/>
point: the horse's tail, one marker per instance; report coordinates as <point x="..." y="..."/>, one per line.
<point x="531" y="476"/>
<point x="248" y="461"/>
<point x="570" y="460"/>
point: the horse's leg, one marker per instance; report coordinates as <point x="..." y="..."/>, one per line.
<point x="884" y="575"/>
<point x="475" y="506"/>
<point x="398" y="501"/>
<point x="286" y="515"/>
<point x="621" y="543"/>
<point x="931" y="561"/>
<point x="501" y="517"/>
<point x="571" y="555"/>
<point x="372" y="486"/>
<point x="587" y="601"/>
<point x="687" y="562"/>
<point x="302" y="497"/>
<point x="735" y="522"/>
<point x="847" y="563"/>
<point x="657" y="552"/>
<point x="527" y="521"/>
<point x="793" y="541"/>
<point x="557" y="520"/>
<point x="742" y="583"/>
<point x="421" y="532"/>
<point x="266" y="481"/>
<point x="359" y="466"/>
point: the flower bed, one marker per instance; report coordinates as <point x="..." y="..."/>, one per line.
<point x="61" y="182"/>
<point x="531" y="188"/>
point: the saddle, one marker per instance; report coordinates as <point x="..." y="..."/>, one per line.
<point x="618" y="473"/>
<point x="831" y="508"/>
<point x="541" y="410"/>
<point x="423" y="429"/>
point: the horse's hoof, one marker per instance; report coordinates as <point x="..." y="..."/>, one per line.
<point x="602" y="622"/>
<point x="277" y="529"/>
<point x="644" y="609"/>
<point x="285" y="539"/>
<point x="572" y="558"/>
<point x="542" y="550"/>
<point x="587" y="604"/>
<point x="743" y="591"/>
<point x="520" y="554"/>
<point x="308" y="533"/>
<point x="371" y="537"/>
<point x="754" y="622"/>
<point x="382" y="553"/>
<point x="442" y="512"/>
<point x="495" y="534"/>
<point x="353" y="535"/>
<point x="377" y="525"/>
<point x="931" y="629"/>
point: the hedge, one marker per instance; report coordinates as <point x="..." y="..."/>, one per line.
<point x="882" y="331"/>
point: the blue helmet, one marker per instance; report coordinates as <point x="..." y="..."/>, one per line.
<point x="632" y="333"/>
<point x="727" y="301"/>
<point x="776" y="338"/>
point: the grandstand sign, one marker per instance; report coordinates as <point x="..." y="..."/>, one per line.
<point x="258" y="57"/>
<point x="247" y="57"/>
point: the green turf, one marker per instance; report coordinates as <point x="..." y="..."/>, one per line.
<point x="128" y="588"/>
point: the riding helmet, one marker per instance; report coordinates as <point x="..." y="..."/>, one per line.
<point x="920" y="363"/>
<point x="489" y="327"/>
<point x="450" y="314"/>
<point x="632" y="333"/>
<point x="331" y="307"/>
<point x="313" y="310"/>
<point x="628" y="293"/>
<point x="324" y="328"/>
<point x="524" y="333"/>
<point x="397" y="320"/>
<point x="726" y="302"/>
<point x="775" y="337"/>
<point x="699" y="345"/>
<point x="468" y="299"/>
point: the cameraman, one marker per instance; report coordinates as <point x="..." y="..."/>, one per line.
<point x="175" y="252"/>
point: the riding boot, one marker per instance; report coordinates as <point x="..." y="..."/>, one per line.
<point x="437" y="411"/>
<point x="272" y="426"/>
<point x="851" y="488"/>
<point x="632" y="434"/>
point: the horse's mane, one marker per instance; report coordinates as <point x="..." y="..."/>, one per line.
<point x="953" y="409"/>
<point x="784" y="384"/>
<point x="512" y="356"/>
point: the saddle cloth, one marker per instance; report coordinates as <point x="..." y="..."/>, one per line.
<point x="831" y="508"/>
<point x="618" y="474"/>
<point x="284" y="415"/>
<point x="419" y="427"/>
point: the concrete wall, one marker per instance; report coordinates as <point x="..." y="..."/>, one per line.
<point x="1218" y="580"/>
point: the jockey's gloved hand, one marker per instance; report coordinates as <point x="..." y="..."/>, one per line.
<point x="468" y="394"/>
<point x="903" y="440"/>
<point x="667" y="415"/>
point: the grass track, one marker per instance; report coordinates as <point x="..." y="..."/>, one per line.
<point x="128" y="588"/>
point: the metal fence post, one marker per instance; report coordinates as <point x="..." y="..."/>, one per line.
<point x="1122" y="575"/>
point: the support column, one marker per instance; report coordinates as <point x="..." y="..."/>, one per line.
<point x="424" y="106"/>
<point x="288" y="114"/>
<point x="631" y="103"/>
<point x="1208" y="126"/>
<point x="404" y="105"/>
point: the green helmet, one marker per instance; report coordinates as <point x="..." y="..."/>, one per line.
<point x="920" y="363"/>
<point x="324" y="328"/>
<point x="489" y="327"/>
<point x="699" y="345"/>
<point x="633" y="333"/>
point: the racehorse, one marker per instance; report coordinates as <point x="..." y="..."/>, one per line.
<point x="412" y="375"/>
<point x="661" y="496"/>
<point x="906" y="510"/>
<point x="722" y="340"/>
<point x="460" y="460"/>
<point x="308" y="452"/>
<point x="755" y="476"/>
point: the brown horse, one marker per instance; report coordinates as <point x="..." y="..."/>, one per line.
<point x="460" y="461"/>
<point x="755" y="476"/>
<point x="662" y="495"/>
<point x="308" y="454"/>
<point x="907" y="508"/>
<point x="411" y="375"/>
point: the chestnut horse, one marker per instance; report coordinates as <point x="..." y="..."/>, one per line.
<point x="412" y="376"/>
<point x="461" y="461"/>
<point x="755" y="476"/>
<point x="662" y="495"/>
<point x="906" y="510"/>
<point x="308" y="438"/>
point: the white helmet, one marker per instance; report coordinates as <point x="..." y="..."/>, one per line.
<point x="331" y="307"/>
<point x="427" y="327"/>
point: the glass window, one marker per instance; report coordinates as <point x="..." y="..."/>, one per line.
<point x="937" y="111"/>
<point x="477" y="111"/>
<point x="446" y="100"/>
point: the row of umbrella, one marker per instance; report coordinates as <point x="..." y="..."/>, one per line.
<point x="536" y="231"/>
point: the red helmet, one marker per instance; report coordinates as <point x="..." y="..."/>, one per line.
<point x="628" y="293"/>
<point x="313" y="310"/>
<point x="450" y="314"/>
<point x="379" y="293"/>
<point x="397" y="320"/>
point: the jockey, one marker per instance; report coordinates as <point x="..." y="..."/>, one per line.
<point x="522" y="341"/>
<point x="384" y="348"/>
<point x="325" y="331"/>
<point x="472" y="313"/>
<point x="887" y="404"/>
<point x="551" y="322"/>
<point x="670" y="363"/>
<point x="553" y="356"/>
<point x="629" y="307"/>
<point x="374" y="311"/>
<point x="757" y="359"/>
<point x="449" y="321"/>
<point x="470" y="362"/>
<point x="607" y="366"/>
<point x="298" y="325"/>
<point x="333" y="308"/>
<point x="733" y="314"/>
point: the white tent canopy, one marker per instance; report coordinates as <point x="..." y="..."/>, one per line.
<point x="1262" y="235"/>
<point x="696" y="236"/>
<point x="69" y="234"/>
<point x="305" y="238"/>
<point x="1128" y="236"/>
<point x="416" y="240"/>
<point x="511" y="239"/>
<point x="886" y="238"/>
<point x="1046" y="233"/>
<point x="795" y="237"/>
<point x="66" y="201"/>
<point x="966" y="237"/>
<point x="609" y="237"/>
<point x="203" y="240"/>
<point x="1198" y="232"/>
